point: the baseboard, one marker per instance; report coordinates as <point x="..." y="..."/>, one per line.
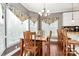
<point x="2" y="52"/>
<point x="13" y="52"/>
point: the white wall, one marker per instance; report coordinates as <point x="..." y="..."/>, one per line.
<point x="76" y="18"/>
<point x="67" y="19"/>
<point x="2" y="32"/>
<point x="33" y="26"/>
<point x="15" y="28"/>
<point x="45" y="28"/>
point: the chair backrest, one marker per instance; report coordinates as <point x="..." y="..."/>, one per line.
<point x="65" y="37"/>
<point x="64" y="33"/>
<point x="50" y="34"/>
<point x="60" y="37"/>
<point x="28" y="38"/>
<point x="34" y="37"/>
<point x="48" y="42"/>
<point x="59" y="34"/>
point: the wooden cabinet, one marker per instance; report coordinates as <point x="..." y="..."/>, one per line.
<point x="72" y="28"/>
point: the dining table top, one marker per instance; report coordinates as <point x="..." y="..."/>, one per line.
<point x="74" y="42"/>
<point x="74" y="38"/>
<point x="43" y="39"/>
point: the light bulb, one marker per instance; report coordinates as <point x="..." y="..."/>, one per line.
<point x="47" y="11"/>
<point x="72" y="20"/>
<point x="1" y="21"/>
<point x="42" y="10"/>
<point x="40" y="13"/>
<point x="45" y="14"/>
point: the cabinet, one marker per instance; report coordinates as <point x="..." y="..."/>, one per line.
<point x="72" y="28"/>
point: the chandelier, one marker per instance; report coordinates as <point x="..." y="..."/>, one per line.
<point x="44" y="12"/>
<point x="72" y="14"/>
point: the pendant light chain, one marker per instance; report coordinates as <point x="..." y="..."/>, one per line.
<point x="72" y="13"/>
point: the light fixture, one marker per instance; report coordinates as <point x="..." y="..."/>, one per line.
<point x="72" y="14"/>
<point x="44" y="12"/>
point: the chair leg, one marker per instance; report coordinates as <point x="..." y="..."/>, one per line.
<point x="63" y="49"/>
<point x="66" y="51"/>
<point x="38" y="52"/>
<point x="24" y="52"/>
<point x="34" y="53"/>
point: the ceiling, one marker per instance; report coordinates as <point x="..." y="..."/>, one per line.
<point x="53" y="7"/>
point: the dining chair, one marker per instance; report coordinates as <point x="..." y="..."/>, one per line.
<point x="30" y="42"/>
<point x="59" y="37"/>
<point x="64" y="40"/>
<point x="66" y="46"/>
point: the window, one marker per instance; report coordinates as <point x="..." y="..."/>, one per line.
<point x="33" y="26"/>
<point x="53" y="27"/>
<point x="15" y="28"/>
<point x="2" y="32"/>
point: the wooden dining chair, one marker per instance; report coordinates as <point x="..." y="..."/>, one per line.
<point x="59" y="37"/>
<point x="66" y="46"/>
<point x="30" y="42"/>
<point x="64" y="40"/>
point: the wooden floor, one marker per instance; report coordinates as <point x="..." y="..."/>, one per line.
<point x="55" y="50"/>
